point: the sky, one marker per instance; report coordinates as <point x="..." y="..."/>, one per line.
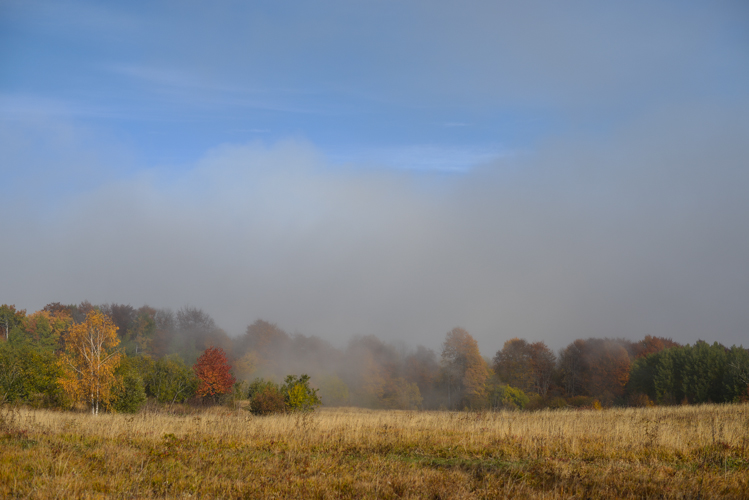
<point x="542" y="170"/>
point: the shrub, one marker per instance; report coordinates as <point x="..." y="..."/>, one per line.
<point x="169" y="380"/>
<point x="580" y="401"/>
<point x="507" y="397"/>
<point x="129" y="394"/>
<point x="556" y="403"/>
<point x="265" y="397"/>
<point x="639" y="400"/>
<point x="536" y="402"/>
<point x="266" y="401"/>
<point x="298" y="395"/>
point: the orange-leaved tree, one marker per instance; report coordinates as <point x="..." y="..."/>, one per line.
<point x="213" y="372"/>
<point x="464" y="371"/>
<point x="90" y="359"/>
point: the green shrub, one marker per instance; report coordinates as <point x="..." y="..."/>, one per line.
<point x="507" y="397"/>
<point x="298" y="395"/>
<point x="169" y="379"/>
<point x="130" y="394"/>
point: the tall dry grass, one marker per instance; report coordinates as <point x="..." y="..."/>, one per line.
<point x="663" y="452"/>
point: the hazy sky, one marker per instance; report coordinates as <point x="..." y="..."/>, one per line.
<point x="547" y="170"/>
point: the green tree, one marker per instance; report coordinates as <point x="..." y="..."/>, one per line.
<point x="129" y="392"/>
<point x="29" y="375"/>
<point x="698" y="373"/>
<point x="736" y="378"/>
<point x="170" y="380"/>
<point x="45" y="330"/>
<point x="11" y="321"/>
<point x="704" y="369"/>
<point x="642" y="375"/>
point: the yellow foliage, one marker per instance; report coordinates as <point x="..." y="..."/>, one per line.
<point x="90" y="359"/>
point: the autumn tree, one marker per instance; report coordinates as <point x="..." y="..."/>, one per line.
<point x="608" y="365"/>
<point x="261" y="348"/>
<point x="464" y="371"/>
<point x="595" y="367"/>
<point x="333" y="391"/>
<point x="400" y="394"/>
<point x="366" y="368"/>
<point x="422" y="368"/>
<point x="513" y="364"/>
<point x="90" y="359"/>
<point x="544" y="364"/>
<point x="651" y="345"/>
<point x="122" y="315"/>
<point x="573" y="368"/>
<point x="213" y="372"/>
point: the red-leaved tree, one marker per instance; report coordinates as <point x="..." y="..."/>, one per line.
<point x="212" y="369"/>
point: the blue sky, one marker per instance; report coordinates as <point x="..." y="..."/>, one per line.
<point x="538" y="169"/>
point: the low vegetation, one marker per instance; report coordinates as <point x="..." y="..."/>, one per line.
<point x="658" y="452"/>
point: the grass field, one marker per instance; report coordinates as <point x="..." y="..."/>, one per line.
<point x="665" y="452"/>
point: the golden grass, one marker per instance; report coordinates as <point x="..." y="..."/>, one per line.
<point x="666" y="452"/>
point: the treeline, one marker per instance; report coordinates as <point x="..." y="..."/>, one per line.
<point x="158" y="349"/>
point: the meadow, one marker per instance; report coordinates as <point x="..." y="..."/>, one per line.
<point x="659" y="452"/>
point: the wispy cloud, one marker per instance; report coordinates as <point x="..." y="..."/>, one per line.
<point x="424" y="157"/>
<point x="191" y="90"/>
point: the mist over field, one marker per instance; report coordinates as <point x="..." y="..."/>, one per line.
<point x="533" y="171"/>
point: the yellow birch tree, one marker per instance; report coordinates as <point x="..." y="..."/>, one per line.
<point x="90" y="359"/>
<point x="464" y="371"/>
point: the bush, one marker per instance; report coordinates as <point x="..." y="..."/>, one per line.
<point x="557" y="403"/>
<point x="268" y="400"/>
<point x="583" y="402"/>
<point x="298" y="395"/>
<point x="169" y="380"/>
<point x="265" y="397"/>
<point x="507" y="397"/>
<point x="536" y="402"/>
<point x="130" y="394"/>
<point x="639" y="400"/>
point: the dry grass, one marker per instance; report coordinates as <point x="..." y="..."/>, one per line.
<point x="672" y="452"/>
